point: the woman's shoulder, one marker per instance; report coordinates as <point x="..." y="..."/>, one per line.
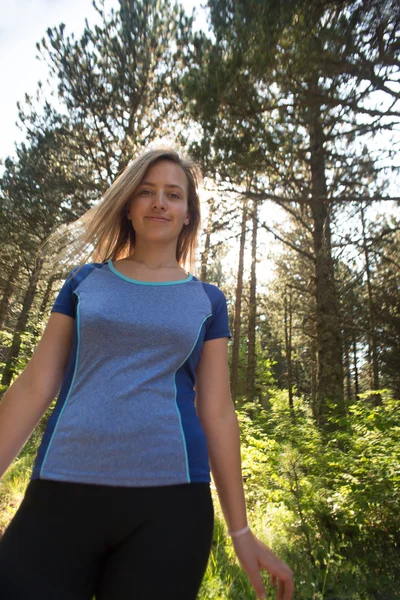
<point x="214" y="292"/>
<point x="80" y="272"/>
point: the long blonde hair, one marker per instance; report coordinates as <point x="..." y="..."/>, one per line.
<point x="104" y="232"/>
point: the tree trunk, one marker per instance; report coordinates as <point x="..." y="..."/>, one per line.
<point x="43" y="308"/>
<point x="251" y="336"/>
<point x="238" y="308"/>
<point x="9" y="369"/>
<point x="347" y="373"/>
<point x="355" y="362"/>
<point x="288" y="344"/>
<point x="329" y="343"/>
<point x="314" y="372"/>
<point x="205" y="256"/>
<point x="46" y="296"/>
<point x="8" y="290"/>
<point x="372" y="319"/>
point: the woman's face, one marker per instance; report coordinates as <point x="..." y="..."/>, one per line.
<point x="159" y="206"/>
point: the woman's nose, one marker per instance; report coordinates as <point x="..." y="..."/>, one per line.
<point x="158" y="199"/>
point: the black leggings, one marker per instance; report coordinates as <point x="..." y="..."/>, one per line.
<point x="73" y="541"/>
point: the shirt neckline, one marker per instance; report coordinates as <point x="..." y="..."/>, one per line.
<point x="130" y="280"/>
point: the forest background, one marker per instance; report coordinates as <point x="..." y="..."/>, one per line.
<point x="292" y="110"/>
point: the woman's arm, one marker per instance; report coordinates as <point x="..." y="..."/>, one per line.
<point x="217" y="415"/>
<point x="28" y="398"/>
<point x="218" y="418"/>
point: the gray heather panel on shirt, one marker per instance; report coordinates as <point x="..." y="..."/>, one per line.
<point x="133" y="338"/>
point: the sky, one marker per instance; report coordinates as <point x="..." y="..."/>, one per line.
<point x="22" y="24"/>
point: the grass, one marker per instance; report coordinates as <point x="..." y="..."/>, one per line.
<point x="13" y="484"/>
<point x="224" y="578"/>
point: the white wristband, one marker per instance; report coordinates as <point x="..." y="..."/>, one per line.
<point x="239" y="532"/>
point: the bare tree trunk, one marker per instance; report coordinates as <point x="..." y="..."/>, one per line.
<point x="372" y="319"/>
<point x="314" y="372"/>
<point x="251" y="335"/>
<point x="7" y="294"/>
<point x="288" y="344"/>
<point x="296" y="376"/>
<point x="205" y="256"/>
<point x="355" y="362"/>
<point x="9" y="368"/>
<point x="46" y="296"/>
<point x="347" y="373"/>
<point x="329" y="343"/>
<point x="369" y="361"/>
<point x="238" y="307"/>
<point x="43" y="307"/>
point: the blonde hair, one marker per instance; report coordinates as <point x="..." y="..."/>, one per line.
<point x="104" y="231"/>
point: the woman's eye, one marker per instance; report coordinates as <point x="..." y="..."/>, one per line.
<point x="172" y="194"/>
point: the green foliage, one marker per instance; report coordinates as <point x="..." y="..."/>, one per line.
<point x="5" y="343"/>
<point x="28" y="342"/>
<point x="331" y="501"/>
<point x="16" y="479"/>
<point x="328" y="504"/>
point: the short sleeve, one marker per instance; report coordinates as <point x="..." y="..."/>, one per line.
<point x="65" y="302"/>
<point x="218" y="325"/>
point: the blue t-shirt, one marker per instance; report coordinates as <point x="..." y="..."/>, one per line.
<point x="126" y="411"/>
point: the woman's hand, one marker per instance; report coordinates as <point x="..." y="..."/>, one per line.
<point x="253" y="555"/>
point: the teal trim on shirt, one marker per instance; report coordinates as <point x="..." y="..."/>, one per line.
<point x="125" y="278"/>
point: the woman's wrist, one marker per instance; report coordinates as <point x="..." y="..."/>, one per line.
<point x="239" y="532"/>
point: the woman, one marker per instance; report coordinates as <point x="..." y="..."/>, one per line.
<point x="119" y="504"/>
